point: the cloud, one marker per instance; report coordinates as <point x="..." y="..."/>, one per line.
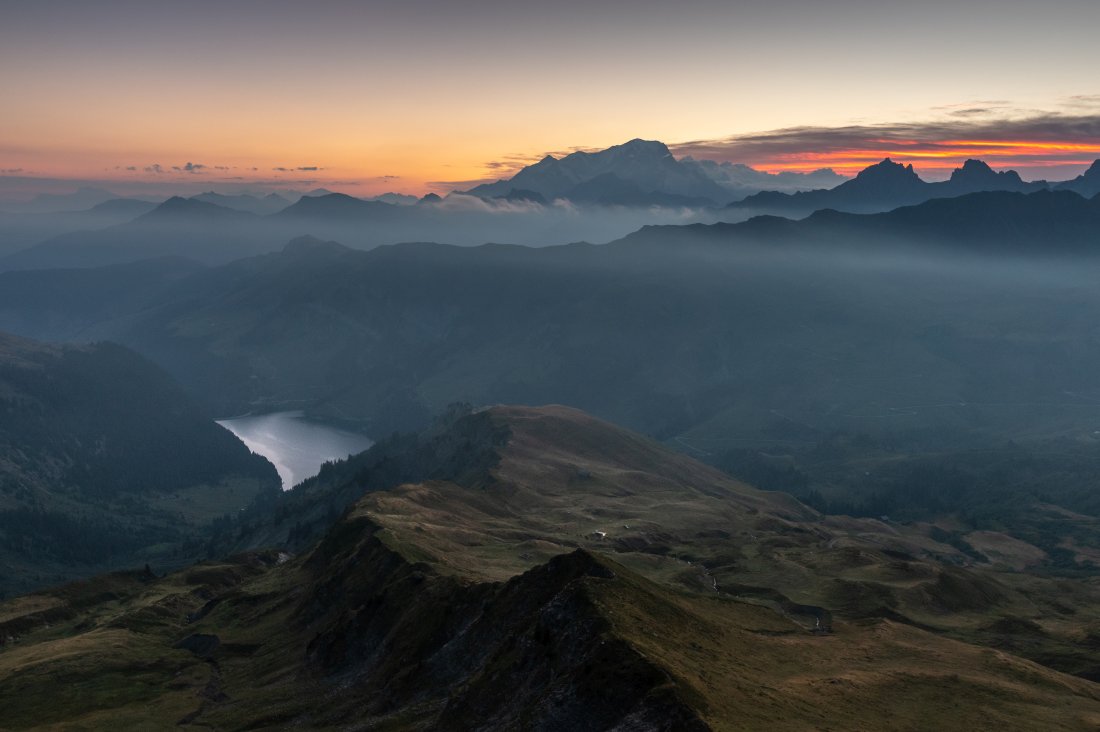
<point x="1029" y="141"/>
<point x="463" y="203"/>
<point x="189" y="168"/>
<point x="300" y="168"/>
<point x="12" y="171"/>
<point x="1080" y="102"/>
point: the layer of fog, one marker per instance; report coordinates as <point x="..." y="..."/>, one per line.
<point x="84" y="239"/>
<point x="704" y="339"/>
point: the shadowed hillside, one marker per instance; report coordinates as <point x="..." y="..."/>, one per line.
<point x="105" y="462"/>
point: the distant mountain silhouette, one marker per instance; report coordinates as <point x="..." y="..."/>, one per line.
<point x="81" y="200"/>
<point x="884" y="186"/>
<point x="1087" y="184"/>
<point x="336" y="207"/>
<point x="645" y="173"/>
<point x="24" y="230"/>
<point x="647" y="167"/>
<point x="124" y="207"/>
<point x="1040" y="223"/>
<point x="976" y="176"/>
<point x="179" y="227"/>
<point x="268" y="204"/>
<point x="191" y="211"/>
<point x="399" y="199"/>
<point x="311" y="246"/>
<point x="741" y="180"/>
<point x="611" y="190"/>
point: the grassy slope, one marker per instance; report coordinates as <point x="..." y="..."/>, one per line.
<point x="434" y="606"/>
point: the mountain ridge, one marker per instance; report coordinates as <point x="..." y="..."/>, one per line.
<point x="590" y="632"/>
<point x="887" y="185"/>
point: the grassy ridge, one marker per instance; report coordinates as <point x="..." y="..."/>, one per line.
<point x="494" y="603"/>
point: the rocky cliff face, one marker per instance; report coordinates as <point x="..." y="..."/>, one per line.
<point x="532" y="653"/>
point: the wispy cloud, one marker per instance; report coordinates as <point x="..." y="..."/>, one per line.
<point x="1083" y="101"/>
<point x="298" y="169"/>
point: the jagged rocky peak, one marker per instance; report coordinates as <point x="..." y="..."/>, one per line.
<point x="973" y="167"/>
<point x="888" y="170"/>
<point x="978" y="171"/>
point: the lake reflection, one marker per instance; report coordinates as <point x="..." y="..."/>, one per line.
<point x="294" y="445"/>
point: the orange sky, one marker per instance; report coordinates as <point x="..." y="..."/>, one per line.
<point x="428" y="94"/>
<point x="943" y="156"/>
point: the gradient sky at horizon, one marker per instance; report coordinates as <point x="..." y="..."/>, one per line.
<point x="431" y="94"/>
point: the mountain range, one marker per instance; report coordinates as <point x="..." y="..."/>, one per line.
<point x="643" y="173"/>
<point x="584" y="196"/>
<point x="885" y="186"/>
<point x="378" y="349"/>
<point x="81" y="199"/>
<point x="1058" y="223"/>
<point x="268" y="204"/>
<point x="639" y="172"/>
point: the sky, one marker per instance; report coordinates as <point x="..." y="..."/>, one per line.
<point x="419" y="95"/>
